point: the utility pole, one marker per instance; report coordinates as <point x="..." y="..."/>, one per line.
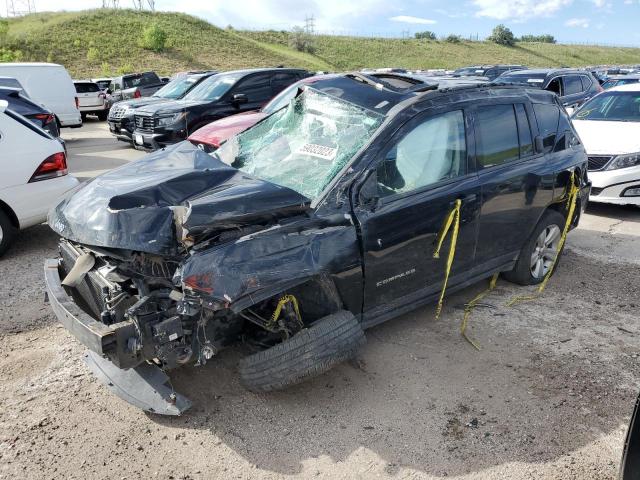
<point x="152" y="5"/>
<point x="309" y="24"/>
<point x="17" y="8"/>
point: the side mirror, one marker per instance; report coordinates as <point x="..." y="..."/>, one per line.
<point x="539" y="143"/>
<point x="239" y="98"/>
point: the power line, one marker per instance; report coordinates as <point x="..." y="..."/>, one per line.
<point x="309" y="24"/>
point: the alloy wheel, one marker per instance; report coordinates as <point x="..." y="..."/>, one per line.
<point x="544" y="251"/>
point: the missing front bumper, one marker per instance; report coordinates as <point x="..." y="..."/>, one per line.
<point x="145" y="385"/>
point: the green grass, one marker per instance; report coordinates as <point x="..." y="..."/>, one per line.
<point x="103" y="42"/>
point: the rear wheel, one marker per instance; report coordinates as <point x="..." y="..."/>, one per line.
<point x="8" y="232"/>
<point x="538" y="254"/>
<point x="102" y="116"/>
<point x="83" y="116"/>
<point x="311" y="352"/>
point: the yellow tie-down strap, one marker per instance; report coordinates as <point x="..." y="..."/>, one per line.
<point x="453" y="219"/>
<point x="573" y="190"/>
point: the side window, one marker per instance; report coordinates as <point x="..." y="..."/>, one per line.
<point x="280" y="81"/>
<point x="524" y="131"/>
<point x="497" y="138"/>
<point x="547" y="117"/>
<point x="257" y="88"/>
<point x="586" y="82"/>
<point x="433" y="151"/>
<point x="555" y="86"/>
<point x="572" y="84"/>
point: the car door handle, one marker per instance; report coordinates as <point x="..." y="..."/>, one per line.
<point x="470" y="197"/>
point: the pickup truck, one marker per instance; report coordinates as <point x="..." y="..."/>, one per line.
<point x="134" y="85"/>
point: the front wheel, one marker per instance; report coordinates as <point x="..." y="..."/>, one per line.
<point x="539" y="252"/>
<point x="309" y="353"/>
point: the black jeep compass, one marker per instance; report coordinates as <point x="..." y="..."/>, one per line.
<point x="315" y="224"/>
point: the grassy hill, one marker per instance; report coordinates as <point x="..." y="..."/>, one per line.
<point x="103" y="42"/>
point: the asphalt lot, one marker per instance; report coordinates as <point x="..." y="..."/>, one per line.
<point x="548" y="395"/>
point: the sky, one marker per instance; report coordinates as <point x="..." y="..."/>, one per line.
<point x="610" y="22"/>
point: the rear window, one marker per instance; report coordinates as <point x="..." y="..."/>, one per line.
<point x="547" y="117"/>
<point x="87" y="87"/>
<point x="141" y="80"/>
<point x="9" y="82"/>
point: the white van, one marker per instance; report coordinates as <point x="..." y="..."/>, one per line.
<point x="49" y="85"/>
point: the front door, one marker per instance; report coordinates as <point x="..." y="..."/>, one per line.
<point x="418" y="177"/>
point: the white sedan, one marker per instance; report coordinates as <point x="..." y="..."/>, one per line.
<point x="34" y="174"/>
<point x="609" y="127"/>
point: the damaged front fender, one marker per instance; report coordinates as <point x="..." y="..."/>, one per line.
<point x="238" y="274"/>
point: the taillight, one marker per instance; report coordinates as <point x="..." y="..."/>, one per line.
<point x="77" y="104"/>
<point x="52" y="167"/>
<point x="137" y="94"/>
<point x="102" y="95"/>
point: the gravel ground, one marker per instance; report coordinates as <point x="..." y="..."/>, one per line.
<point x="548" y="395"/>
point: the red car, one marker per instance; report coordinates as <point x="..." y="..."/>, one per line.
<point x="209" y="137"/>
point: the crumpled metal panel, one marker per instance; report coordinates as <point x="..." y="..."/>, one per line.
<point x="267" y="261"/>
<point x="132" y="207"/>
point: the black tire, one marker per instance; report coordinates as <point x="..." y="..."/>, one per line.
<point x="8" y="232"/>
<point x="102" y="116"/>
<point x="311" y="352"/>
<point x="521" y="273"/>
<point x="83" y="116"/>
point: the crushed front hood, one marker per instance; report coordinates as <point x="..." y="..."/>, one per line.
<point x="135" y="207"/>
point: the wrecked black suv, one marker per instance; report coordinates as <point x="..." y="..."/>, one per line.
<point x="312" y="226"/>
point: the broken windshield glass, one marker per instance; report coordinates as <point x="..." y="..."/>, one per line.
<point x="304" y="145"/>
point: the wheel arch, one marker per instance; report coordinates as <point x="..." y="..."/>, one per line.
<point x="8" y="211"/>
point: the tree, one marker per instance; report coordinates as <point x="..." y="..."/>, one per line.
<point x="452" y="39"/>
<point x="153" y="38"/>
<point x="502" y="36"/>
<point x="300" y="40"/>
<point x="538" y="38"/>
<point x="426" y="35"/>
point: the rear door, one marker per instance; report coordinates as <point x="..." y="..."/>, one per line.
<point x="517" y="182"/>
<point x="417" y="178"/>
<point x="89" y="94"/>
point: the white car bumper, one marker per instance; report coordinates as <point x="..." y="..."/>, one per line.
<point x="611" y="186"/>
<point x="70" y="119"/>
<point x="32" y="201"/>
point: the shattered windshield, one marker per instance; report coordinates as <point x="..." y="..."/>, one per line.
<point x="304" y="145"/>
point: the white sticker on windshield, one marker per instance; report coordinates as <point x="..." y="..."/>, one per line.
<point x="320" y="151"/>
<point x="535" y="80"/>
